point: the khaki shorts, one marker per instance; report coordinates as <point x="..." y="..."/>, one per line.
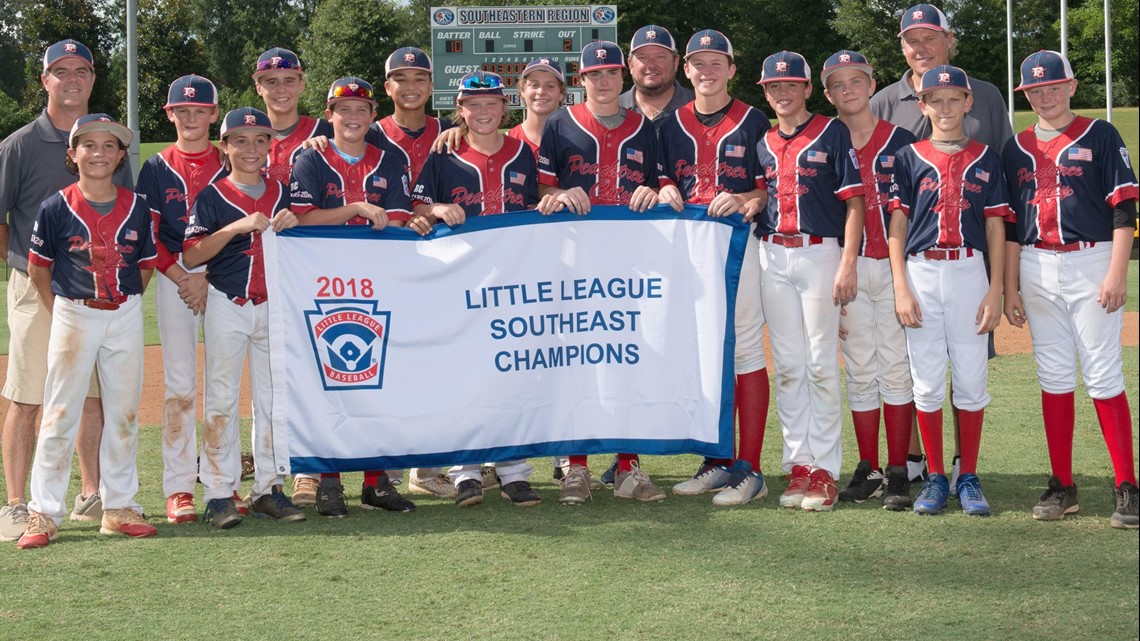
<point x="29" y="325"/>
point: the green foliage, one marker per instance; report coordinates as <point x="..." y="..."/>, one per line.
<point x="1086" y="52"/>
<point x="233" y="34"/>
<point x="11" y="116"/>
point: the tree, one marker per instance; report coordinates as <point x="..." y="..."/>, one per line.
<point x="11" y="57"/>
<point x="46" y="22"/>
<point x="233" y="33"/>
<point x="1086" y="52"/>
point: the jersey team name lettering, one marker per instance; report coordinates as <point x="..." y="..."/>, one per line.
<point x="930" y="184"/>
<point x="685" y="170"/>
<point x="462" y="197"/>
<point x="1047" y="173"/>
<point x="175" y="195"/>
<point x="334" y="191"/>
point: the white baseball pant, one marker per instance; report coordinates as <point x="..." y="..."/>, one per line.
<point x="796" y="286"/>
<point x="233" y="334"/>
<point x="508" y="471"/>
<point x="749" y="355"/>
<point x="82" y="337"/>
<point x="877" y="366"/>
<point x="949" y="293"/>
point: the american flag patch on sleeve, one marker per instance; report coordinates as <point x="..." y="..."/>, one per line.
<point x="982" y="174"/>
<point x="734" y="151"/>
<point x="817" y="156"/>
<point x="635" y="155"/>
<point x="887" y="162"/>
<point x="518" y="178"/>
<point x="379" y="182"/>
<point x="1080" y="153"/>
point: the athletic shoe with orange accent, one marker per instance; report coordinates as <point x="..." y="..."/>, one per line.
<point x="40" y="531"/>
<point x="821" y="492"/>
<point x="126" y="521"/>
<point x="180" y="508"/>
<point x="797" y="487"/>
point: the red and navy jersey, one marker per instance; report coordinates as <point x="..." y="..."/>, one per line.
<point x="283" y="152"/>
<point x="1064" y="190"/>
<point x="325" y="180"/>
<point x="93" y="255"/>
<point x="947" y="197"/>
<point x="517" y="133"/>
<point x="413" y="148"/>
<point x="238" y="270"/>
<point x="808" y="176"/>
<point x="877" y="172"/>
<point x="608" y="164"/>
<point x="705" y="161"/>
<point x="170" y="181"/>
<point x="480" y="184"/>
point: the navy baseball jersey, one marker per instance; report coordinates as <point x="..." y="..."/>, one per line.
<point x="947" y="197"/>
<point x="877" y="172"/>
<point x="480" y="184"/>
<point x="92" y="255"/>
<point x="324" y="180"/>
<point x="170" y="181"/>
<point x="608" y="164"/>
<point x="238" y="270"/>
<point x="1064" y="190"/>
<point x="517" y="133"/>
<point x="283" y="152"/>
<point x="412" y="147"/>
<point x="808" y="176"/>
<point x="705" y="161"/>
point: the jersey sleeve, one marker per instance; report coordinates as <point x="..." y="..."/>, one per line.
<point x="654" y="163"/>
<point x="426" y="190"/>
<point x="149" y="188"/>
<point x="304" y="183"/>
<point x="900" y="197"/>
<point x="42" y="248"/>
<point x="849" y="183"/>
<point x="201" y="219"/>
<point x="397" y="201"/>
<point x="548" y="154"/>
<point x="530" y="188"/>
<point x="1117" y="173"/>
<point x="997" y="190"/>
<point x="665" y="173"/>
<point x="148" y="243"/>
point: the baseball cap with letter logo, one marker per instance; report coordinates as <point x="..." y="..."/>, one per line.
<point x="923" y="16"/>
<point x="785" y="66"/>
<point x="350" y="88"/>
<point x="652" y="35"/>
<point x="99" y="122"/>
<point x="407" y="58"/>
<point x="67" y="49"/>
<point x="1044" y="68"/>
<point x="601" y="54"/>
<point x="277" y="59"/>
<point x="944" y="77"/>
<point x="709" y="40"/>
<point x="247" y="119"/>
<point x="480" y="83"/>
<point x="544" y="64"/>
<point x="844" y="59"/>
<point x="191" y="91"/>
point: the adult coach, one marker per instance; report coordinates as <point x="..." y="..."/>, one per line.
<point x="653" y="64"/>
<point x="31" y="169"/>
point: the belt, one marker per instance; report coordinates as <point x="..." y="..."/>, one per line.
<point x="792" y="240"/>
<point x="957" y="253"/>
<point x="98" y="303"/>
<point x="1067" y="247"/>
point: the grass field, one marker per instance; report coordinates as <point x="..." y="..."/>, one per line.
<point x="613" y="569"/>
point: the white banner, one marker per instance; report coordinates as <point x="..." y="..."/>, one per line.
<point x="507" y="337"/>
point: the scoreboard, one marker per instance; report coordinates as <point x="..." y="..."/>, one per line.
<point x="503" y="40"/>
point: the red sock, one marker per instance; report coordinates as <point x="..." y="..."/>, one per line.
<point x="867" y="435"/>
<point x="578" y="459"/>
<point x="1057" y="410"/>
<point x="626" y="462"/>
<point x="752" y="397"/>
<point x="930" y="424"/>
<point x="897" y="420"/>
<point x="372" y="477"/>
<point x="1116" y="426"/>
<point x="332" y="475"/>
<point x="969" y="439"/>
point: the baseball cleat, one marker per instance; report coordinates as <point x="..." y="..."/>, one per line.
<point x="793" y="497"/>
<point x="40" y="531"/>
<point x="222" y="513"/>
<point x="897" y="495"/>
<point x="87" y="508"/>
<point x="709" y="478"/>
<point x="865" y="484"/>
<point x="128" y="522"/>
<point x="276" y="506"/>
<point x="180" y="508"/>
<point x="330" y="498"/>
<point x="1127" y="498"/>
<point x="970" y="496"/>
<point x="576" y="486"/>
<point x="932" y="497"/>
<point x="1056" y="502"/>
<point x="821" y="493"/>
<point x="743" y="486"/>
<point x="384" y="496"/>
<point x="520" y="493"/>
<point x="468" y="493"/>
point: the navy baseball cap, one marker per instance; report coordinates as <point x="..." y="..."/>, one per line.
<point x="191" y="91"/>
<point x="601" y="54"/>
<point x="1044" y="68"/>
<point x="785" y="65"/>
<point x="67" y="49"/>
<point x="944" y="77"/>
<point x="480" y="83"/>
<point x="652" y="35"/>
<point x="709" y="40"/>
<point x="277" y="58"/>
<point x="923" y="16"/>
<point x="247" y="119"/>
<point x="544" y="64"/>
<point x="99" y="122"/>
<point x="350" y="88"/>
<point x="407" y="58"/>
<point x="844" y="59"/>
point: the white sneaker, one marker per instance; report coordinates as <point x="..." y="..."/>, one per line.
<point x="955" y="471"/>
<point x="636" y="484"/>
<point x="13" y="521"/>
<point x="746" y="485"/>
<point x="710" y="478"/>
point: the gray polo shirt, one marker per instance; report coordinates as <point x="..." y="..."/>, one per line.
<point x="31" y="169"/>
<point x="681" y="97"/>
<point x="987" y="122"/>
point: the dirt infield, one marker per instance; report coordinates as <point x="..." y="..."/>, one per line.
<point x="1009" y="340"/>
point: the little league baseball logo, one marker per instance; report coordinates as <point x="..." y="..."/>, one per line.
<point x="443" y="16"/>
<point x="350" y="340"/>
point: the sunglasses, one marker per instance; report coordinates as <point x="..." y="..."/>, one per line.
<point x="352" y="91"/>
<point x="277" y="62"/>
<point x="486" y="82"/>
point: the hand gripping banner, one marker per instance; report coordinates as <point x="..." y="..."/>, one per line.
<point x="506" y="337"/>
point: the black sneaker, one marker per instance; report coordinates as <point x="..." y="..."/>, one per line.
<point x="865" y="483"/>
<point x="520" y="493"/>
<point x="897" y="495"/>
<point x="222" y="513"/>
<point x="276" y="506"/>
<point x="330" y="499"/>
<point x="1057" y="501"/>
<point x="468" y="493"/>
<point x="384" y="496"/>
<point x="1127" y="499"/>
<point x="608" y="476"/>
